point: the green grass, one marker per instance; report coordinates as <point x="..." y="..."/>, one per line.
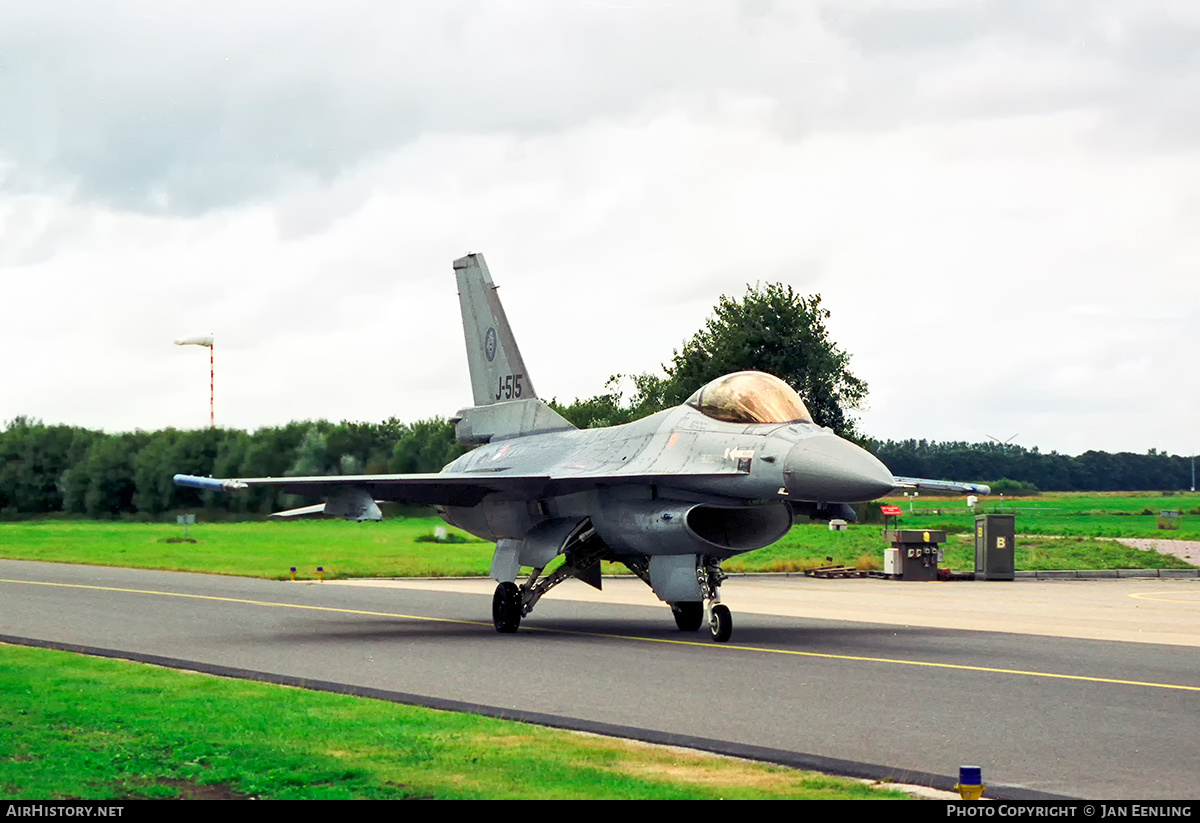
<point x="862" y="547"/>
<point x="345" y="549"/>
<point x="394" y="548"/>
<point x="1072" y="515"/>
<point x="80" y="727"/>
<point x="1053" y="554"/>
<point x="90" y="728"/>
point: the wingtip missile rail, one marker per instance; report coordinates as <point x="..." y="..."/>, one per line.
<point x="209" y="483"/>
<point x="944" y="486"/>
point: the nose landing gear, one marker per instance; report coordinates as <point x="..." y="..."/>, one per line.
<point x="709" y="575"/>
<point x="720" y="623"/>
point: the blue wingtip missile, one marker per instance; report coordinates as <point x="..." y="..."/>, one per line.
<point x="210" y="483"/>
<point x="942" y="486"/>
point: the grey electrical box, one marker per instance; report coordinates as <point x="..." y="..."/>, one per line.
<point x="995" y="538"/>
<point x="917" y="553"/>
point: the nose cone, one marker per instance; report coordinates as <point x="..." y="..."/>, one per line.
<point x="828" y="469"/>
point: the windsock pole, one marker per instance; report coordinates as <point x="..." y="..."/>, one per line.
<point x="206" y="341"/>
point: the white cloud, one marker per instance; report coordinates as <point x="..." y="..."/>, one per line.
<point x="1001" y="247"/>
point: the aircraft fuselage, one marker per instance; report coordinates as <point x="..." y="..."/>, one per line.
<point x="676" y="482"/>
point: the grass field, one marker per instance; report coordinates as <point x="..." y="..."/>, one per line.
<point x="262" y="549"/>
<point x="392" y="548"/>
<point x="1110" y="514"/>
<point x="862" y="547"/>
<point x="81" y="727"/>
<point x="90" y="728"/>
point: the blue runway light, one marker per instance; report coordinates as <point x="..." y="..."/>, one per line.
<point x="970" y="782"/>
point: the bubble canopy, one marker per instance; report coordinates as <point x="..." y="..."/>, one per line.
<point x="750" y="397"/>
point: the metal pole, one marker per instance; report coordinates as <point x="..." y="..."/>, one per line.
<point x="208" y="342"/>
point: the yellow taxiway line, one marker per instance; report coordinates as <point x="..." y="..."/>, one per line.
<point x="727" y="647"/>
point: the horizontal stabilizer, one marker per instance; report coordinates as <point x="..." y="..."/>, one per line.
<point x="303" y="511"/>
<point x="352" y="509"/>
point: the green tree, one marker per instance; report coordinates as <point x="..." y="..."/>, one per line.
<point x="609" y="408"/>
<point x="425" y="446"/>
<point x="312" y="457"/>
<point x="775" y="330"/>
<point x="33" y="460"/>
<point x="108" y="471"/>
<point x="772" y="329"/>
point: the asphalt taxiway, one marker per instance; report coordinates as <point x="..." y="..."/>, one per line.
<point x="1077" y="688"/>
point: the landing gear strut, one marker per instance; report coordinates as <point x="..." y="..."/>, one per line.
<point x="720" y="621"/>
<point x="582" y="552"/>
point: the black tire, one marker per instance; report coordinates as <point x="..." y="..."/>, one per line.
<point x="720" y="624"/>
<point x="506" y="608"/>
<point x="689" y="614"/>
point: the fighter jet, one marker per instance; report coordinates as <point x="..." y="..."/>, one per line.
<point x="669" y="496"/>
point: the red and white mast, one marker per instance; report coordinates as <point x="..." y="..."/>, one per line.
<point x="207" y="341"/>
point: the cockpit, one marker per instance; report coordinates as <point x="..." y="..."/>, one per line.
<point x="750" y="397"/>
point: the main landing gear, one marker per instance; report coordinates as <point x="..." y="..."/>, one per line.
<point x="699" y="598"/>
<point x="688" y="615"/>
<point x="581" y="559"/>
<point x="506" y="608"/>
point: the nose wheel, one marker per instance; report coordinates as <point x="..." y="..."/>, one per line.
<point x="720" y="623"/>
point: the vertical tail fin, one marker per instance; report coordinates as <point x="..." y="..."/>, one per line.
<point x="505" y="402"/>
<point x="497" y="370"/>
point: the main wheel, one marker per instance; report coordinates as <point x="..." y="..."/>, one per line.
<point x="506" y="608"/>
<point x="689" y="614"/>
<point x="720" y="623"/>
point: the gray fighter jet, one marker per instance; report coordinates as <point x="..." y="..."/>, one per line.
<point x="669" y="496"/>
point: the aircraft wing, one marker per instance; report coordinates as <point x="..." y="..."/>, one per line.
<point x="942" y="486"/>
<point x="436" y="489"/>
<point x="442" y="488"/>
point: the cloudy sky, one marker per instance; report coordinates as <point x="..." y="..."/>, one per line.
<point x="999" y="202"/>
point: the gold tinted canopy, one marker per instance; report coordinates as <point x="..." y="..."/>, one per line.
<point x="750" y="397"/>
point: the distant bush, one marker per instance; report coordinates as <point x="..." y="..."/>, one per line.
<point x="449" y="538"/>
<point x="1014" y="488"/>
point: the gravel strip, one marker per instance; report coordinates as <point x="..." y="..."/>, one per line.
<point x="1186" y="550"/>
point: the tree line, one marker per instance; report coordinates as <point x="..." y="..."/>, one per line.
<point x="1090" y="471"/>
<point x="46" y="469"/>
